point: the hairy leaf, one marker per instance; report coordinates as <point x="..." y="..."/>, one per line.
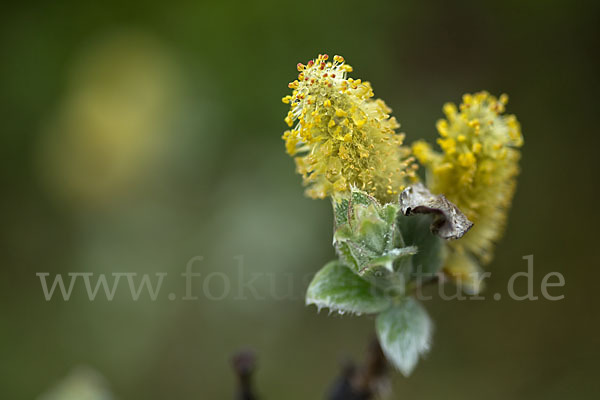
<point x="404" y="331"/>
<point x="336" y="287"/>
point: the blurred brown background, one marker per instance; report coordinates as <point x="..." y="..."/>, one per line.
<point x="138" y="135"/>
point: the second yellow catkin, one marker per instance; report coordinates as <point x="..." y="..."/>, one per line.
<point x="476" y="170"/>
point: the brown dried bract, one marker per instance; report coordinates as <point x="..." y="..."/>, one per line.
<point x="448" y="222"/>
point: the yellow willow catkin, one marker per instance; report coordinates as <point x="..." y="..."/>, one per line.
<point x="476" y="170"/>
<point x="341" y="137"/>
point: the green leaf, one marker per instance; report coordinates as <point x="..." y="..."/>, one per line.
<point x="388" y="213"/>
<point x="416" y="231"/>
<point x="404" y="332"/>
<point x="362" y="198"/>
<point x="387" y="260"/>
<point x="340" y="211"/>
<point x="343" y="206"/>
<point x="363" y="232"/>
<point x="371" y="234"/>
<point x="346" y="256"/>
<point x="391" y="271"/>
<point x="336" y="287"/>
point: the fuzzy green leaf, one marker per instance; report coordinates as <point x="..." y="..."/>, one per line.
<point x="340" y="211"/>
<point x="336" y="287"/>
<point x="362" y="198"/>
<point x="387" y="259"/>
<point x="404" y="331"/>
<point x="364" y="229"/>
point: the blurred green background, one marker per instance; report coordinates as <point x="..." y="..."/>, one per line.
<point x="137" y="135"/>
